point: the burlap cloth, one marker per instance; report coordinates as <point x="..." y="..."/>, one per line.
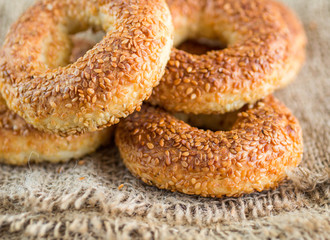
<point x="83" y="200"/>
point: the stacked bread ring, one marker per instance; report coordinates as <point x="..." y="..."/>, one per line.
<point x="21" y="143"/>
<point x="109" y="82"/>
<point x="264" y="47"/>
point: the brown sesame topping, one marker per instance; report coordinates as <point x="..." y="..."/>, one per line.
<point x="207" y="163"/>
<point x="94" y="91"/>
<point x="40" y="146"/>
<point x="150" y="145"/>
<point x="185" y="154"/>
<point x="90" y="91"/>
<point x="245" y="71"/>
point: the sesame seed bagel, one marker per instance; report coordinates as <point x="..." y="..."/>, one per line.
<point x="265" y="50"/>
<point x="109" y="82"/>
<point x="21" y="142"/>
<point x="264" y="143"/>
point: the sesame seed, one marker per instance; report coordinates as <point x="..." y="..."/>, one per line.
<point x="150" y="145"/>
<point x="194" y="157"/>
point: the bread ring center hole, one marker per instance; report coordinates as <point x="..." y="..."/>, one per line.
<point x="84" y="41"/>
<point x="201" y="46"/>
<point x="216" y="122"/>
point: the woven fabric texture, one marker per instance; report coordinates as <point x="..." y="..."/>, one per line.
<point x="74" y="200"/>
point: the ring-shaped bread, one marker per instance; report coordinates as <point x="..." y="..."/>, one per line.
<point x="21" y="143"/>
<point x="264" y="143"/>
<point x="265" y="49"/>
<point x="109" y="82"/>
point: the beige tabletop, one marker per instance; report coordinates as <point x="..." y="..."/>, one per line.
<point x="81" y="198"/>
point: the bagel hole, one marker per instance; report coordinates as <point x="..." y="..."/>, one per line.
<point x="214" y="122"/>
<point x="84" y="41"/>
<point x="201" y="46"/>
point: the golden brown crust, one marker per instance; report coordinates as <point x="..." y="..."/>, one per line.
<point x="21" y="143"/>
<point x="265" y="142"/>
<point x="266" y="48"/>
<point x="109" y="82"/>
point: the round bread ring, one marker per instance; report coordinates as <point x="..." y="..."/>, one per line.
<point x="265" y="142"/>
<point x="38" y="146"/>
<point x="265" y="49"/>
<point x="109" y="82"/>
<point x="21" y="143"/>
